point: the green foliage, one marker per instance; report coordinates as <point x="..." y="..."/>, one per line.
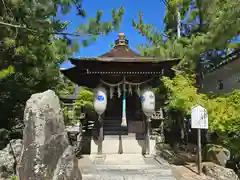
<point x="223" y="111"/>
<point x="84" y="99"/>
<point x="182" y="93"/>
<point x="65" y="87"/>
<point x="14" y="178"/>
<point x="5" y="72"/>
<point x="83" y="104"/>
<point x="147" y="30"/>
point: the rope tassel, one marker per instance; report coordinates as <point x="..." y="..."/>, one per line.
<point x="124" y="123"/>
<point x="124" y="120"/>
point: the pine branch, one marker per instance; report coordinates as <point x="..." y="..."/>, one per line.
<point x="76" y="35"/>
<point x="166" y="4"/>
<point x="16" y="26"/>
<point x="57" y="33"/>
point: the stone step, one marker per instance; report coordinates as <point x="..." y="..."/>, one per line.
<point x="125" y="145"/>
<point x="112" y="119"/>
<point x="135" y="170"/>
<point x="115" y="119"/>
<point x="124" y="166"/>
<point x="118" y="124"/>
<point x="115" y="133"/>
<point x="126" y="177"/>
<point x="112" y="128"/>
<point x="112" y="123"/>
<point x="127" y="136"/>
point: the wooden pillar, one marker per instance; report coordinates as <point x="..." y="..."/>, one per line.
<point x="199" y="155"/>
<point x="147" y="136"/>
<point x="100" y="135"/>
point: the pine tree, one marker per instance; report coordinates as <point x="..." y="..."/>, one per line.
<point x="206" y="26"/>
<point x="26" y="27"/>
<point x="33" y="44"/>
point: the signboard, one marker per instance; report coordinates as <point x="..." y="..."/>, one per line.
<point x="199" y="118"/>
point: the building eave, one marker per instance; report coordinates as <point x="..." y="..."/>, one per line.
<point x="122" y="59"/>
<point x="228" y="59"/>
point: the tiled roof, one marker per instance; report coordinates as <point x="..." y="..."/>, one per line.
<point x="121" y="51"/>
<point x="225" y="60"/>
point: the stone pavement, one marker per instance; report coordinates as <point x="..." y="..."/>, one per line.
<point x="124" y="167"/>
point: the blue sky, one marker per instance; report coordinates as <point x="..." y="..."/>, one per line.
<point x="153" y="13"/>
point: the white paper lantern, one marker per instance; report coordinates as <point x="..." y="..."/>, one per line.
<point x="148" y="101"/>
<point x="100" y="100"/>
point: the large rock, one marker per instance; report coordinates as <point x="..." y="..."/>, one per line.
<point x="218" y="172"/>
<point x="46" y="153"/>
<point x="216" y="153"/>
<point x="9" y="157"/>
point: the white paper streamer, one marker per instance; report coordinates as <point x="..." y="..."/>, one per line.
<point x="111" y="92"/>
<point x="130" y="89"/>
<point x="119" y="91"/>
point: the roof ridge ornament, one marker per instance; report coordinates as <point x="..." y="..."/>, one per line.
<point x="121" y="41"/>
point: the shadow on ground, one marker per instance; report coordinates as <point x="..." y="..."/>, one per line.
<point x="178" y="156"/>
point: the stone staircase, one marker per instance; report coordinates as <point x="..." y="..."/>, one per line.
<point x="124" y="166"/>
<point x="124" y="144"/>
<point x="112" y="126"/>
<point x="118" y="140"/>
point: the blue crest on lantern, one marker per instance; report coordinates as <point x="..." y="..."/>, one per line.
<point x="100" y="98"/>
<point x="142" y="98"/>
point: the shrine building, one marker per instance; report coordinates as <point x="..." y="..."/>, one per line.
<point x="223" y="77"/>
<point x="123" y="127"/>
